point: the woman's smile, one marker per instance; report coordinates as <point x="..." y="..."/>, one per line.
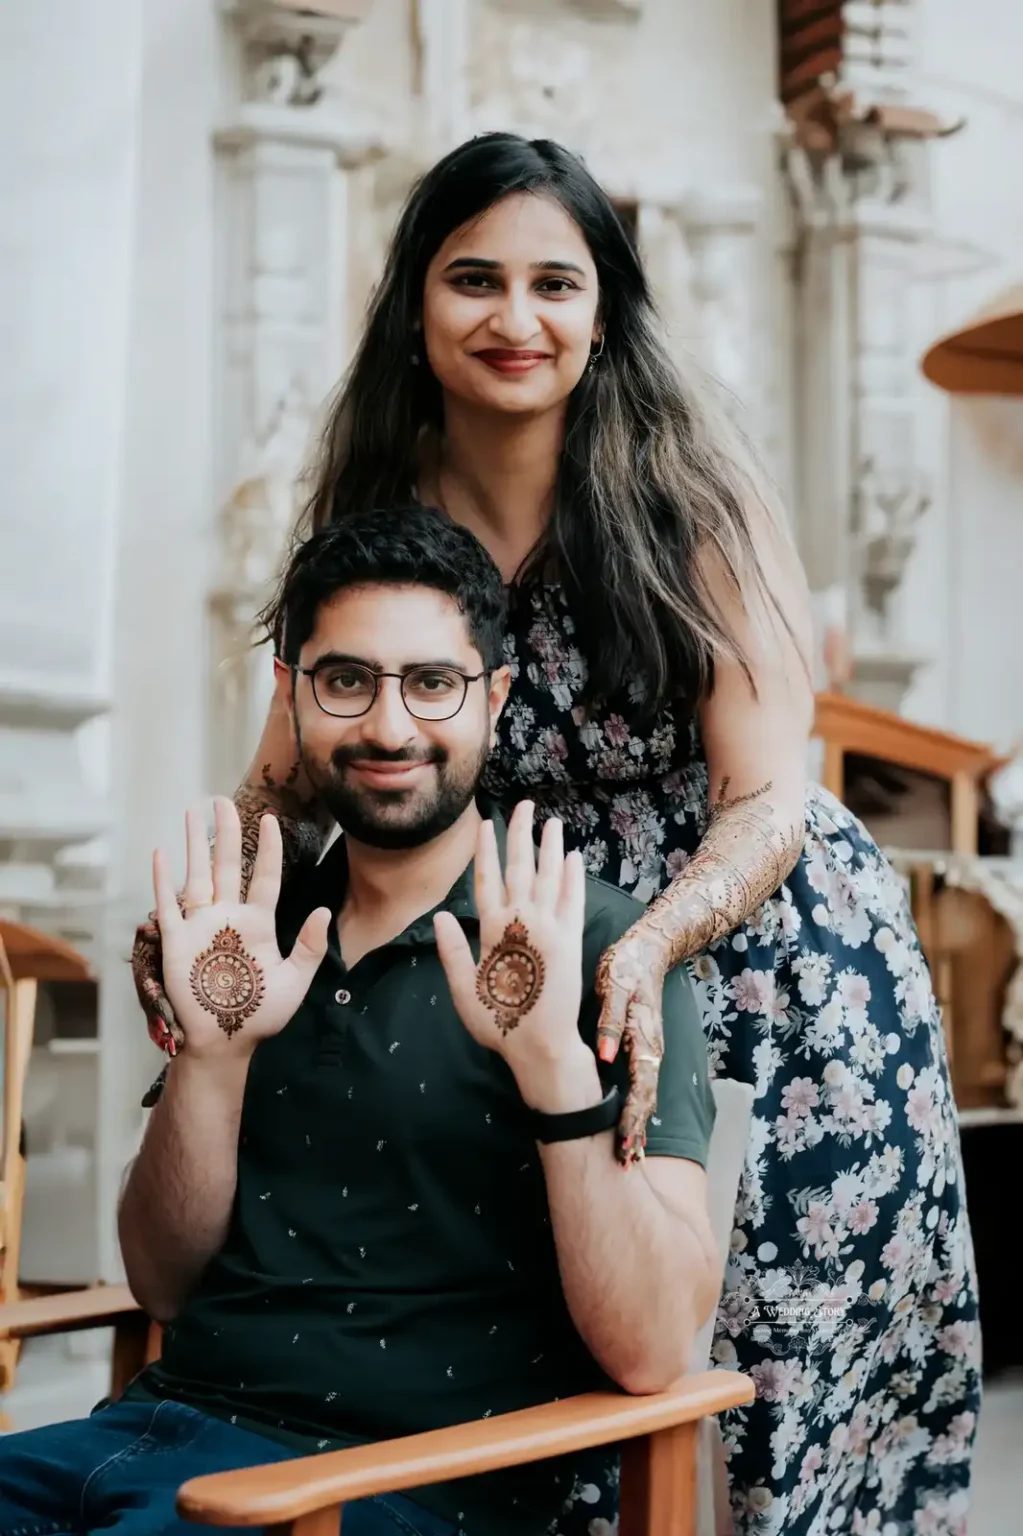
<point x="511" y="360"/>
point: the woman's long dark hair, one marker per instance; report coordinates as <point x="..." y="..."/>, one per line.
<point x="652" y="474"/>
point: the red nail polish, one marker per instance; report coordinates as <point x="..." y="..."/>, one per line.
<point x="606" y="1050"/>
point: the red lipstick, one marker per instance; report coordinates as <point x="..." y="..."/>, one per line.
<point x="512" y="360"/>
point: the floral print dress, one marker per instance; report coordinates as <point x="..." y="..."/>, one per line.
<point x="850" y="1291"/>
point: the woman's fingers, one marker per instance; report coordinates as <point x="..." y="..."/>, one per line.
<point x="147" y="971"/>
<point x="644" y="1042"/>
<point x="265" y="885"/>
<point x="198" y="891"/>
<point x="520" y="859"/>
<point x="614" y="1003"/>
<point x="227" y="851"/>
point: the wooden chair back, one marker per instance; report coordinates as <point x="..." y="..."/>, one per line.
<point x="849" y="729"/>
<point x="27" y="957"/>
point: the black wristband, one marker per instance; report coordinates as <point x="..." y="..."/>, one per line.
<point x="578" y="1122"/>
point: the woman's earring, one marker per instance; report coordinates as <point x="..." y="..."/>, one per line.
<point x="594" y="355"/>
<point x="414" y="357"/>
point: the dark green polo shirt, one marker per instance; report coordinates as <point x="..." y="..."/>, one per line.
<point x="390" y="1265"/>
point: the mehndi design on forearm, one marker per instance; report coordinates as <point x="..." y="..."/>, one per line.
<point x="510" y="979"/>
<point x="227" y="981"/>
<point x="743" y="857"/>
<point x="301" y="824"/>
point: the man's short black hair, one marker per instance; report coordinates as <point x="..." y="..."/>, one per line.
<point x="403" y="546"/>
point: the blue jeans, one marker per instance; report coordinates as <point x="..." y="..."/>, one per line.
<point x="119" y="1471"/>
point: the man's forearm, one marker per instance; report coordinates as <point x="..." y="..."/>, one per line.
<point x="639" y="1277"/>
<point x="178" y="1198"/>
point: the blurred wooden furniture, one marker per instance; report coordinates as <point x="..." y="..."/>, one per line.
<point x="918" y="792"/>
<point x="659" y="1437"/>
<point x="856" y="735"/>
<point x="136" y="1339"/>
<point x="27" y="957"/>
<point x="985" y="357"/>
<point x="972" y="911"/>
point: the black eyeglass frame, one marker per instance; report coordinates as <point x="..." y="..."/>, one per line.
<point x="401" y="677"/>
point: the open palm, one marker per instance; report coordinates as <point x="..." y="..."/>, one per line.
<point x="525" y="992"/>
<point x="223" y="969"/>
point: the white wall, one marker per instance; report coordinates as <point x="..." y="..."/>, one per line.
<point x="964" y="589"/>
<point x="69" y="98"/>
<point x="165" y="540"/>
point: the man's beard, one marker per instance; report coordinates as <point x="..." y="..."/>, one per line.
<point x="395" y="818"/>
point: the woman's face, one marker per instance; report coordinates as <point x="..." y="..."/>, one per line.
<point x="510" y="307"/>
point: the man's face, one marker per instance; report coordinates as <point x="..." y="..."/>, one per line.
<point x="390" y="779"/>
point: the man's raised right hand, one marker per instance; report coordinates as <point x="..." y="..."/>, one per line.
<point x="224" y="974"/>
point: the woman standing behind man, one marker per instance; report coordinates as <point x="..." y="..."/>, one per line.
<point x="510" y="374"/>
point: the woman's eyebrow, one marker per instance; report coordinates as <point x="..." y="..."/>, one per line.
<point x="553" y="264"/>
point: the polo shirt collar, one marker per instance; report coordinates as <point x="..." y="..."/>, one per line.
<point x="329" y="883"/>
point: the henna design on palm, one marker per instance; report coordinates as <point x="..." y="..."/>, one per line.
<point x="302" y="839"/>
<point x="510" y="979"/>
<point x="227" y="981"/>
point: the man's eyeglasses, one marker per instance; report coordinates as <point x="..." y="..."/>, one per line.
<point x="346" y="689"/>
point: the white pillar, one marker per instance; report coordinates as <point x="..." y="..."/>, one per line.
<point x="69" y="88"/>
<point x="861" y="219"/>
<point x="442" y="30"/>
<point x="70" y="74"/>
<point x="284" y="156"/>
<point x="721" y="229"/>
<point x="164" y="545"/>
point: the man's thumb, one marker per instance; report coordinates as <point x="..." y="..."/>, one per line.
<point x="311" y="944"/>
<point x="456" y="958"/>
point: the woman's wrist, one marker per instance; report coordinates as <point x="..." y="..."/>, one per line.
<point x="652" y="935"/>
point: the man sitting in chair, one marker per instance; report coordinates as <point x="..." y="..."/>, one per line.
<point x="380" y="1192"/>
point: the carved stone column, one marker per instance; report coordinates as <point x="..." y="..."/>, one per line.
<point x="442" y="38"/>
<point x="721" y="228"/>
<point x="856" y="172"/>
<point x="285" y="156"/>
<point x="861" y="486"/>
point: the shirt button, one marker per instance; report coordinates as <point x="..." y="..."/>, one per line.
<point x="341" y="996"/>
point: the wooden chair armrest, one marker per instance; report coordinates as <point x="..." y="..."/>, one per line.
<point x="66" y="1311"/>
<point x="286" y="1491"/>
